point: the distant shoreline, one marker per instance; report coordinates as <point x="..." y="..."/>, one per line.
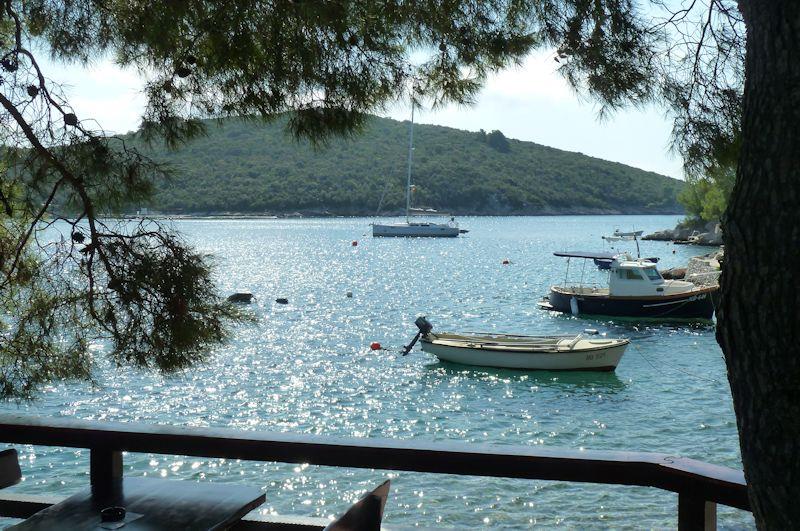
<point x="299" y="215"/>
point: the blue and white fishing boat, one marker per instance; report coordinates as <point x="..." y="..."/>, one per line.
<point x="635" y="288"/>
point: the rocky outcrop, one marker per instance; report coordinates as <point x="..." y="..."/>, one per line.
<point x="678" y="233"/>
<point x="708" y="234"/>
<point x="676" y="273"/>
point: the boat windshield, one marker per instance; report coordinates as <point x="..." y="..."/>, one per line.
<point x="628" y="274"/>
<point x="651" y="273"/>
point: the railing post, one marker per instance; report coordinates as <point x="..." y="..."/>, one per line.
<point x="105" y="466"/>
<point x="696" y="514"/>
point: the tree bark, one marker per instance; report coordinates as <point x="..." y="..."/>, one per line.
<point x="759" y="311"/>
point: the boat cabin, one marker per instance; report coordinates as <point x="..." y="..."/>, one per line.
<point x="634" y="278"/>
<point x="627" y="276"/>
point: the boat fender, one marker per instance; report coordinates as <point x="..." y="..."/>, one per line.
<point x="573" y="306"/>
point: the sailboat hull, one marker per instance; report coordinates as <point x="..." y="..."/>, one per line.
<point x="425" y="230"/>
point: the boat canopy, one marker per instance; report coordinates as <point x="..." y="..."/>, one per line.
<point x="600" y="255"/>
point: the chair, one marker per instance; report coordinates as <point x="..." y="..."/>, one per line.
<point x="366" y="514"/>
<point x="10" y="474"/>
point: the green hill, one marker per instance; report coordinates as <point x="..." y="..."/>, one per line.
<point x="248" y="167"/>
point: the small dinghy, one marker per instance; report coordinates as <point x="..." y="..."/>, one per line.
<point x="551" y="353"/>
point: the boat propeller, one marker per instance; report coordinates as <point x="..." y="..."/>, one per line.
<point x="424" y="326"/>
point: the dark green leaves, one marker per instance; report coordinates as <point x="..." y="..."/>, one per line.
<point x="160" y="308"/>
<point x="603" y="47"/>
<point x="258" y="58"/>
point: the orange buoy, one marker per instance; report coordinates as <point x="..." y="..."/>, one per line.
<point x="354" y="244"/>
<point x="375" y="346"/>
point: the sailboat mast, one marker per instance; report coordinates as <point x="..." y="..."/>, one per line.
<point x="410" y="157"/>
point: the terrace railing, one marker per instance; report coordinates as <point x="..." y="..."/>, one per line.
<point x="700" y="486"/>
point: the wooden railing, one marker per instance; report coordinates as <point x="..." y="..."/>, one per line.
<point x="700" y="486"/>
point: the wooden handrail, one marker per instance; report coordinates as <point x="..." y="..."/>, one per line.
<point x="688" y="477"/>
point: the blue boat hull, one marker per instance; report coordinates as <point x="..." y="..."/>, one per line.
<point x="693" y="305"/>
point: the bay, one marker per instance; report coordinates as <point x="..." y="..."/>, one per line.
<point x="306" y="367"/>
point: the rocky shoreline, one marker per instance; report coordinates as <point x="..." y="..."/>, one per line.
<point x="709" y="234"/>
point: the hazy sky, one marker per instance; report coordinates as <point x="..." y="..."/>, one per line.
<point x="528" y="103"/>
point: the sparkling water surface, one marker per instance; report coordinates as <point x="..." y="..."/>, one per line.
<point x="307" y="368"/>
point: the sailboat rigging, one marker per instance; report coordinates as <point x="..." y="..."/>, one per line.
<point x="415" y="228"/>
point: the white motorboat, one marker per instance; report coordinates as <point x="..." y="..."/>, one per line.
<point x="410" y="228"/>
<point x="623" y="236"/>
<point x="552" y="353"/>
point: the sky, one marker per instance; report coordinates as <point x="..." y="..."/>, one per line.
<point x="531" y="103"/>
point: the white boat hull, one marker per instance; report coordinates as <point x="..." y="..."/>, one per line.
<point x="593" y="355"/>
<point x="425" y="230"/>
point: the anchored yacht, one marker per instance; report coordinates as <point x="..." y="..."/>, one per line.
<point x="410" y="228"/>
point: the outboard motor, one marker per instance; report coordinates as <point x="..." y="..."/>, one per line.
<point x="424" y="326"/>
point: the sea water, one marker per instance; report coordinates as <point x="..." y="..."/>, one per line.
<point x="306" y="368"/>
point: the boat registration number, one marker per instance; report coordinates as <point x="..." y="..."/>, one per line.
<point x="595" y="356"/>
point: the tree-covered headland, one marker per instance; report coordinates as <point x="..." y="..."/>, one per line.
<point x="247" y="167"/>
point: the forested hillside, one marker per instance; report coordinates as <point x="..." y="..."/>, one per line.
<point x="248" y="167"/>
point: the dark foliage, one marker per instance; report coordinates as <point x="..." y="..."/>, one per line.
<point x="497" y="140"/>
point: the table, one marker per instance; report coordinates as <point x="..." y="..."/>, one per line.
<point x="162" y="504"/>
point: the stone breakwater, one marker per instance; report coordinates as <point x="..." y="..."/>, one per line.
<point x="701" y="270"/>
<point x="705" y="270"/>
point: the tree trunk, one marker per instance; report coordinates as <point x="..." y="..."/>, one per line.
<point x="759" y="311"/>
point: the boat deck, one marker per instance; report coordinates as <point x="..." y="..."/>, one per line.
<point x="501" y="338"/>
<point x="584" y="290"/>
<point x="512" y="343"/>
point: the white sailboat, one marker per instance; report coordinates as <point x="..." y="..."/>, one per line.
<point x="415" y="228"/>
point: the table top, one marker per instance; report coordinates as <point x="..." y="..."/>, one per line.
<point x="162" y="504"/>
